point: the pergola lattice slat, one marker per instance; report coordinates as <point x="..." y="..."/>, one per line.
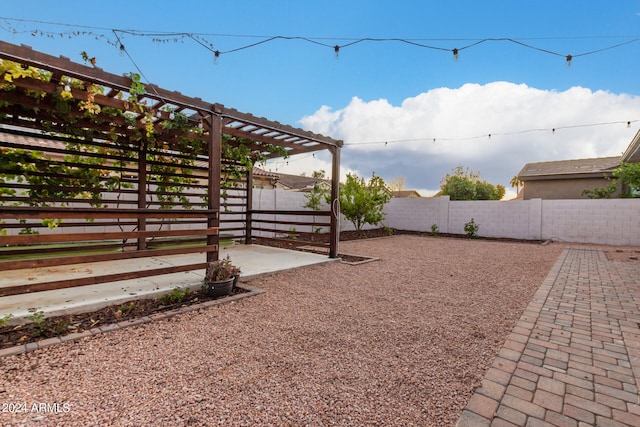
<point x="116" y="144"/>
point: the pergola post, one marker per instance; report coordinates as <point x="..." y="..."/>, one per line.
<point x="142" y="192"/>
<point x="249" y="208"/>
<point x="214" y="151"/>
<point x="334" y="236"/>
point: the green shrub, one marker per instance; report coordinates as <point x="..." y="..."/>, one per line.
<point x="38" y="323"/>
<point x="471" y="228"/>
<point x="434" y="230"/>
<point x="176" y="296"/>
<point x="4" y="320"/>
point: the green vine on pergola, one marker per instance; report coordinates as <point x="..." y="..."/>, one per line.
<point x="106" y="132"/>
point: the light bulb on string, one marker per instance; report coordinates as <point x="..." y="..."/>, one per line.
<point x="569" y="59"/>
<point x="216" y="55"/>
<point x="336" y="49"/>
<point x="455" y="53"/>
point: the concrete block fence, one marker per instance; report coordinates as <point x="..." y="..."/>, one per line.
<point x="603" y="221"/>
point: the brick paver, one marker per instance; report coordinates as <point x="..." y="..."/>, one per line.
<point x="573" y="358"/>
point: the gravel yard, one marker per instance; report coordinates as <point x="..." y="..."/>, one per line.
<point x="396" y="342"/>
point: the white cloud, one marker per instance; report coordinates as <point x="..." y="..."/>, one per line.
<point x="519" y="119"/>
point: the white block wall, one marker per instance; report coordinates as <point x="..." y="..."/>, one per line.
<point x="604" y="221"/>
<point x="607" y="221"/>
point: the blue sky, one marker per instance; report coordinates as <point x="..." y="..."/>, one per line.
<point x="376" y="91"/>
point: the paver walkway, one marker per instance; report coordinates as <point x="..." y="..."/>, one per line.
<point x="573" y="359"/>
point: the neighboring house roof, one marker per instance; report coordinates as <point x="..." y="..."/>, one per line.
<point x="406" y="193"/>
<point x="578" y="168"/>
<point x="632" y="154"/>
<point x="263" y="173"/>
<point x="581" y="168"/>
<point x="296" y="182"/>
<point x="37" y="140"/>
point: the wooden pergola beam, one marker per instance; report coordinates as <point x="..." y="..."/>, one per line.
<point x="216" y="118"/>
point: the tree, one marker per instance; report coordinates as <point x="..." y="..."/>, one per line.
<point x="397" y="184"/>
<point x="319" y="174"/>
<point x="314" y="200"/>
<point x="463" y="184"/>
<point x="362" y="202"/>
<point x="515" y="182"/>
<point x="627" y="176"/>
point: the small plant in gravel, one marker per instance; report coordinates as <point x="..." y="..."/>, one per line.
<point x="434" y="230"/>
<point x="176" y="296"/>
<point x="38" y="322"/>
<point x="60" y="328"/>
<point x="4" y="320"/>
<point x="125" y="309"/>
<point x="36" y="317"/>
<point x="471" y="228"/>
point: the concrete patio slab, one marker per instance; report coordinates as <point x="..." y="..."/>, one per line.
<point x="253" y="260"/>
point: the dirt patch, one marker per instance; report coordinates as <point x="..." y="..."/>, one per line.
<point x="623" y="255"/>
<point x="62" y="325"/>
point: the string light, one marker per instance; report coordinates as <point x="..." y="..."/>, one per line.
<point x="296" y="158"/>
<point x="165" y="37"/>
<point x="490" y="135"/>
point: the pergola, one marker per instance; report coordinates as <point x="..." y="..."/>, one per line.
<point x="107" y="160"/>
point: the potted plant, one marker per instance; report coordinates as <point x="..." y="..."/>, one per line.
<point x="220" y="277"/>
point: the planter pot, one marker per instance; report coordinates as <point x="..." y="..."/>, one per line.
<point x="218" y="289"/>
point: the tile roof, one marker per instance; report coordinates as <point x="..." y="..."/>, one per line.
<point x="632" y="154"/>
<point x="581" y="167"/>
<point x="293" y="182"/>
<point x="264" y="173"/>
<point x="406" y="193"/>
<point x="296" y="182"/>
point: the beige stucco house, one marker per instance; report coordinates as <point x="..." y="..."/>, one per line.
<point x="567" y="179"/>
